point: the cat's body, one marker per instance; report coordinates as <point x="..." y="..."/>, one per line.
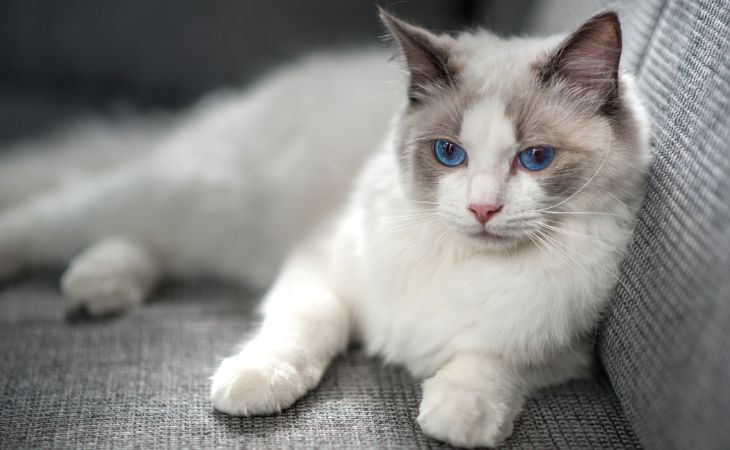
<point x="263" y="165"/>
<point x="483" y="276"/>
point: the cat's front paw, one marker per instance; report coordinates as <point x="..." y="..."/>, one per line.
<point x="253" y="383"/>
<point x="463" y="417"/>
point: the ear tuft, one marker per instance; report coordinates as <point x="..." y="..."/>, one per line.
<point x="425" y="54"/>
<point x="588" y="61"/>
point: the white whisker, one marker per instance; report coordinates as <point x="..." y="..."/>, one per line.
<point x="603" y="163"/>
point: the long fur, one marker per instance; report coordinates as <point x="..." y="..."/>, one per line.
<point x="486" y="313"/>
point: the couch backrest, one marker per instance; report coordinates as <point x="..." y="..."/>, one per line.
<point x="155" y="51"/>
<point x="666" y="344"/>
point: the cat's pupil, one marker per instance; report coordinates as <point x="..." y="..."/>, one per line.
<point x="538" y="154"/>
<point x="449" y="151"/>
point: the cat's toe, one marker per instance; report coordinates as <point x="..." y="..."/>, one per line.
<point x="99" y="291"/>
<point x="256" y="384"/>
<point x="464" y="418"/>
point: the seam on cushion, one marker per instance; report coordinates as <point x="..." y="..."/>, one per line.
<point x="645" y="49"/>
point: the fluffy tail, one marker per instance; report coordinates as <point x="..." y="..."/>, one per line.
<point x="72" y="154"/>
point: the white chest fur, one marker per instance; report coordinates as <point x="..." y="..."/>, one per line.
<point x="427" y="297"/>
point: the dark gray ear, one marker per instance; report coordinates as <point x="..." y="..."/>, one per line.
<point x="587" y="61"/>
<point x="425" y="55"/>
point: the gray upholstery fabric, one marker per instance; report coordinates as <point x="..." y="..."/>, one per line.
<point x="141" y="381"/>
<point x="666" y="345"/>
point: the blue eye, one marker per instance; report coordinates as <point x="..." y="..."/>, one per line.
<point x="536" y="158"/>
<point x="448" y="153"/>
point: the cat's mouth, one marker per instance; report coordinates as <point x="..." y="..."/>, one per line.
<point x="494" y="239"/>
<point x="492" y="236"/>
<point x="484" y="235"/>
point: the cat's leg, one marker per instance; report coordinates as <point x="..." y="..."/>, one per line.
<point x="474" y="399"/>
<point x="54" y="228"/>
<point x="109" y="277"/>
<point x="305" y="326"/>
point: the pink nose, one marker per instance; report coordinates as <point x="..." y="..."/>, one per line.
<point x="484" y="212"/>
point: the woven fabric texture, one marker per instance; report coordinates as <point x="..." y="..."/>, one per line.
<point x="666" y="345"/>
<point x="142" y="381"/>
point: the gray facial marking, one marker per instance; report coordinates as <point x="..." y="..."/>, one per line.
<point x="563" y="105"/>
<point x="426" y="55"/>
<point x="438" y="117"/>
<point x="435" y="107"/>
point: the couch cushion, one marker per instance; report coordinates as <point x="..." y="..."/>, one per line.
<point x="666" y="345"/>
<point x="142" y="381"/>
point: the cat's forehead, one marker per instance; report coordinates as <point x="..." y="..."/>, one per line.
<point x="491" y="65"/>
<point x="487" y="131"/>
<point x="500" y="96"/>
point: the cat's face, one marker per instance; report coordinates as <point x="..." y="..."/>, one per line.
<point x="507" y="138"/>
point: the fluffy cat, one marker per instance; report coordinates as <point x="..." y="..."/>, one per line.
<point x="478" y="246"/>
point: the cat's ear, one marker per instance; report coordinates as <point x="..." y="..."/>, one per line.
<point x="588" y="62"/>
<point x="426" y="56"/>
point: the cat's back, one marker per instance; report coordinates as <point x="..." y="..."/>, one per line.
<point x="286" y="151"/>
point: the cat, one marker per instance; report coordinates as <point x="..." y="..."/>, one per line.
<point x="495" y="194"/>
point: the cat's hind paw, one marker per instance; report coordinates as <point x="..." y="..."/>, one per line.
<point x="253" y="383"/>
<point x="99" y="292"/>
<point x="108" y="279"/>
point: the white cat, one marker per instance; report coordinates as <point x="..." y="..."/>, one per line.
<point x="478" y="247"/>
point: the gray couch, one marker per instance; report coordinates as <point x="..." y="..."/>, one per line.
<point x="141" y="380"/>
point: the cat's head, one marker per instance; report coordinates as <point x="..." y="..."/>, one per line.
<point x="508" y="137"/>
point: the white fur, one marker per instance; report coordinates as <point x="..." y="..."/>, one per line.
<point x="424" y="293"/>
<point x="241" y="178"/>
<point x="109" y="277"/>
<point x="228" y="190"/>
<point x="471" y="402"/>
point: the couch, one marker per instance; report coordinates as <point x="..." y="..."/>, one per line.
<point x="141" y="380"/>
